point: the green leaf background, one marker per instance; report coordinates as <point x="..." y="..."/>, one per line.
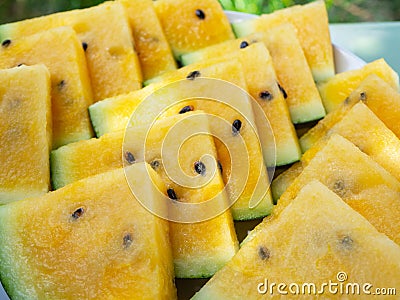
<point x="339" y="10"/>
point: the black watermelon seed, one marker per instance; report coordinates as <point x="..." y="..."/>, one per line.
<point x="243" y="44"/>
<point x="282" y="91"/>
<point x="346" y="242"/>
<point x="61" y="84"/>
<point x="363" y="96"/>
<point x="6" y="43"/>
<point x="127" y="240"/>
<point x="20" y="65"/>
<point x="200" y="168"/>
<point x="186" y="109"/>
<point x="236" y="125"/>
<point x="264" y="253"/>
<point x="155" y="164"/>
<point x="200" y="14"/>
<point x="129" y="157"/>
<point x="84" y="46"/>
<point x="265" y="95"/>
<point x="78" y="213"/>
<point x="193" y="75"/>
<point x="220" y="166"/>
<point x="171" y="194"/>
<point x="339" y="187"/>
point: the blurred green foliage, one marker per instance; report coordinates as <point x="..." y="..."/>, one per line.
<point x="339" y="10"/>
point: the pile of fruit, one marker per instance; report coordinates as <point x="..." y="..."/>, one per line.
<point x="117" y="121"/>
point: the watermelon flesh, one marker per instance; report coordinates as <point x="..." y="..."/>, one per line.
<point x="113" y="65"/>
<point x="192" y="25"/>
<point x="169" y="97"/>
<point x="151" y="45"/>
<point x="227" y="102"/>
<point x="263" y="86"/>
<point x="330" y="239"/>
<point x="81" y="242"/>
<point x="293" y="72"/>
<point x="25" y="136"/>
<point x="382" y="145"/>
<point x="311" y="23"/>
<point x="374" y="92"/>
<point x="71" y="91"/>
<point x="361" y="182"/>
<point x="338" y="88"/>
<point x="113" y="114"/>
<point x="202" y="254"/>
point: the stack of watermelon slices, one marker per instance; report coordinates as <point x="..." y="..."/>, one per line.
<point x="82" y="174"/>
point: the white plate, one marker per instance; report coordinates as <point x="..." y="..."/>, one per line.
<point x="344" y="61"/>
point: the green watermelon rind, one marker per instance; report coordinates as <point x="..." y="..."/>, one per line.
<point x="10" y="283"/>
<point x="56" y="173"/>
<point x="262" y="210"/>
<point x="203" y="270"/>
<point x="5" y="31"/>
<point x="97" y="119"/>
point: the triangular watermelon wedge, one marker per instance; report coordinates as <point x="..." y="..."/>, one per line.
<point x="317" y="245"/>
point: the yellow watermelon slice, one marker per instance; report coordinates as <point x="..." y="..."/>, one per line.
<point x="113" y="114"/>
<point x="89" y="240"/>
<point x="360" y="181"/>
<point x="105" y="153"/>
<point x="263" y="86"/>
<point x="338" y="88"/>
<point x="292" y="71"/>
<point x="231" y="71"/>
<point x="25" y="136"/>
<point x="71" y="92"/>
<point x="361" y="127"/>
<point x="376" y="93"/>
<point x="191" y="25"/>
<point x="196" y="252"/>
<point x="151" y="45"/>
<point x="316" y="241"/>
<point x="105" y="34"/>
<point x="311" y="23"/>
<point x="199" y="249"/>
<point x="227" y="102"/>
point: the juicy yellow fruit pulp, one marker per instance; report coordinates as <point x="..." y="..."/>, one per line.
<point x="199" y="249"/>
<point x="113" y="65"/>
<point x="25" y="132"/>
<point x="70" y="93"/>
<point x="311" y="23"/>
<point x="337" y="89"/>
<point x="113" y="114"/>
<point x="374" y="92"/>
<point x="293" y="72"/>
<point x="82" y="159"/>
<point x="228" y="70"/>
<point x="361" y="182"/>
<point x="314" y="238"/>
<point x="89" y="240"/>
<point x="150" y="42"/>
<point x="242" y="110"/>
<point x="262" y="85"/>
<point x="192" y="25"/>
<point x="380" y="144"/>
